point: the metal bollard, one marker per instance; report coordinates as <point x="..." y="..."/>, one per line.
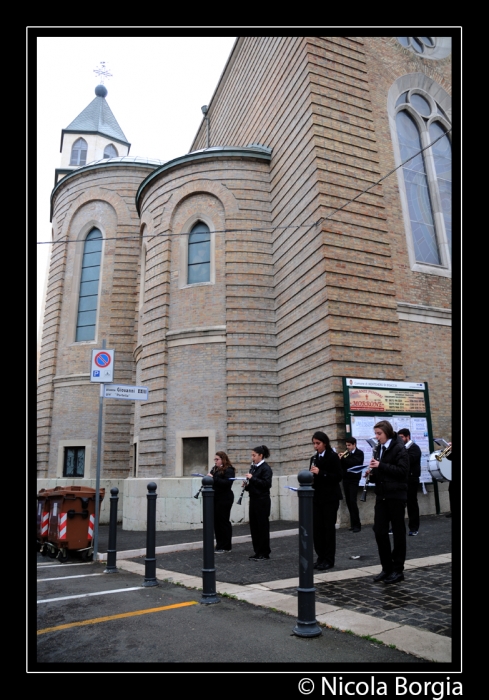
<point x="150" y="560"/>
<point x="111" y="549"/>
<point x="307" y="625"/>
<point x="208" y="572"/>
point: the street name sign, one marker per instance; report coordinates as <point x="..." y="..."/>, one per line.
<point x="123" y="391"/>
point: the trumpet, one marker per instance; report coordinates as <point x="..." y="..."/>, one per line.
<point x="447" y="449"/>
<point x="343" y="454"/>
<point x="374" y="444"/>
<point x="444" y="453"/>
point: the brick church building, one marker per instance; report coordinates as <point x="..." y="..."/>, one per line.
<point x="243" y="280"/>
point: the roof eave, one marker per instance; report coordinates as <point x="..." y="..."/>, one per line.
<point x="212" y="153"/>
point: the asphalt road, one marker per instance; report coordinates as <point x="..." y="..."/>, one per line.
<point x="230" y="632"/>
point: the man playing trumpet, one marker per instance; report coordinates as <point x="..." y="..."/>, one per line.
<point x="352" y="457"/>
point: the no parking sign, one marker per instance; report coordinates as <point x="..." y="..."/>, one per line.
<point x="102" y="367"/>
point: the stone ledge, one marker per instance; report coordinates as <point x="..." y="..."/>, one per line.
<point x="198" y="334"/>
<point x="62" y="380"/>
<point x="424" y="314"/>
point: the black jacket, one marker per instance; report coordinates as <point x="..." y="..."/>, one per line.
<point x="391" y="476"/>
<point x="326" y="484"/>
<point x="352" y="460"/>
<point x="222" y="484"/>
<point x="261" y="481"/>
<point x="414" y="461"/>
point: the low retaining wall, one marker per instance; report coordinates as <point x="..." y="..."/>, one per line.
<point x="177" y="509"/>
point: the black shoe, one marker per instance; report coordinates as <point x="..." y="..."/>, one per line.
<point x="324" y="566"/>
<point x="260" y="558"/>
<point x="394" y="577"/>
<point x="219" y="551"/>
<point x="356" y="529"/>
<point x="253" y="556"/>
<point x="383" y="575"/>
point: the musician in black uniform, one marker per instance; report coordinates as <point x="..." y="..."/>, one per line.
<point x="389" y="470"/>
<point x="449" y="457"/>
<point x="353" y="457"/>
<point x="222" y="472"/>
<point x="326" y="468"/>
<point x="258" y="485"/>
<point x="414" y="453"/>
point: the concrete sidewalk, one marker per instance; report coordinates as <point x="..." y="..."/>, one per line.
<point x="415" y="615"/>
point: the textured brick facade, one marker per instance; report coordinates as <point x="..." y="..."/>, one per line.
<point x="302" y="292"/>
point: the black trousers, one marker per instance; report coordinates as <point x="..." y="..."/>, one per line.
<point x="324" y="530"/>
<point x="259" y="524"/>
<point x="412" y="504"/>
<point x="390" y="511"/>
<point x="351" y="493"/>
<point x="222" y="526"/>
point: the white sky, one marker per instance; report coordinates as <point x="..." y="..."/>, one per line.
<point x="158" y="86"/>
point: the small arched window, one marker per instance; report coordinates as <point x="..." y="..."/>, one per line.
<point x="199" y="254"/>
<point x="110" y="151"/>
<point x="79" y="152"/>
<point x="89" y="284"/>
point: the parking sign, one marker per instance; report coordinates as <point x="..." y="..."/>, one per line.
<point x="102" y="366"/>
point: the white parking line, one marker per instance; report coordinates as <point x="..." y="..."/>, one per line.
<point x="63" y="578"/>
<point x="50" y="566"/>
<point x="85" y="595"/>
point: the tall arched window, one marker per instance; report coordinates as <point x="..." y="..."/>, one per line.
<point x="89" y="284"/>
<point x="199" y="254"/>
<point x="79" y="152"/>
<point x="110" y="151"/>
<point x="419" y="122"/>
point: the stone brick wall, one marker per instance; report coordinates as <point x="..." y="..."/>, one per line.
<point x="228" y="387"/>
<point x="67" y="401"/>
<point x="303" y="291"/>
<point x="321" y="104"/>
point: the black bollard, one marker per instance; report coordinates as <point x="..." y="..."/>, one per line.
<point x="111" y="549"/>
<point x="307" y="625"/>
<point x="150" y="561"/>
<point x="208" y="572"/>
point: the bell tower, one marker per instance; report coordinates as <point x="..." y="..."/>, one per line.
<point x="93" y="136"/>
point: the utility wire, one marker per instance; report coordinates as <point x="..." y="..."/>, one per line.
<point x="266" y="228"/>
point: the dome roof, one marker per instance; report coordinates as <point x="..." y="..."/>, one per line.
<point x="126" y="159"/>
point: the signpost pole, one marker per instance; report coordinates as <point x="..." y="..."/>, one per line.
<point x="99" y="452"/>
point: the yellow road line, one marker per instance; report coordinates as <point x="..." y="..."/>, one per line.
<point x="114" y="617"/>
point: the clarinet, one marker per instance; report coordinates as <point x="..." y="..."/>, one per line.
<point x="245" y="483"/>
<point x="198" y="492"/>
<point x="363" y="497"/>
